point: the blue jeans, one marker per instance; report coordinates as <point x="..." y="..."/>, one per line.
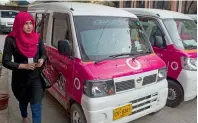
<point x="36" y="111"/>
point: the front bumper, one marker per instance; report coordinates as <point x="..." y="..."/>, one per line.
<point x="5" y="28"/>
<point x="144" y="100"/>
<point x="188" y="80"/>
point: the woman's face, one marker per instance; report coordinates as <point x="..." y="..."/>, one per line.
<point x="28" y="27"/>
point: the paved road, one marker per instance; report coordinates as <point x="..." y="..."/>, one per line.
<point x="54" y="112"/>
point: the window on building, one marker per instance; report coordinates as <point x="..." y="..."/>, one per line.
<point x="141" y="4"/>
<point x="127" y="4"/>
<point x="116" y="4"/>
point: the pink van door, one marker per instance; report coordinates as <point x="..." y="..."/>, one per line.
<point x="61" y="31"/>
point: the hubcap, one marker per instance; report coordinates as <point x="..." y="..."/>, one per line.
<point x="172" y="95"/>
<point x="76" y="117"/>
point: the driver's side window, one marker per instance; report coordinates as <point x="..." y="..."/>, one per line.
<point x="153" y="32"/>
<point x="61" y="29"/>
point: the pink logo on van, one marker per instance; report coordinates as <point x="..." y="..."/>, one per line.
<point x="133" y="64"/>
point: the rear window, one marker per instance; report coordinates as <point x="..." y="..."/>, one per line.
<point x="8" y="14"/>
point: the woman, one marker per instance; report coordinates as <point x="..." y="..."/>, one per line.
<point x="29" y="55"/>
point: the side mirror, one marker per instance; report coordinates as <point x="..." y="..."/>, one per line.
<point x="64" y="47"/>
<point x="159" y="42"/>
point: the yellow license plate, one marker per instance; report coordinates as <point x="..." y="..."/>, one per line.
<point x="122" y="112"/>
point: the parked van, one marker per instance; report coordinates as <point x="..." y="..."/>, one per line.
<point x="173" y="36"/>
<point x="193" y="16"/>
<point x="7" y="20"/>
<point x="108" y="70"/>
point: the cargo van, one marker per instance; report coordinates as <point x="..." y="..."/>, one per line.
<point x="7" y="20"/>
<point x="108" y="72"/>
<point x="173" y="36"/>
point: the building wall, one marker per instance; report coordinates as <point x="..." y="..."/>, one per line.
<point x="168" y="5"/>
<point x="2" y="7"/>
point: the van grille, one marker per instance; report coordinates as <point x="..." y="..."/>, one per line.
<point x="125" y="85"/>
<point x="149" y="79"/>
<point x="130" y="84"/>
<point x="143" y="103"/>
<point x="10" y="23"/>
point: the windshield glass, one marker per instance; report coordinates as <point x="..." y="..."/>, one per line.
<point x="8" y="14"/>
<point x="100" y="37"/>
<point x="182" y="32"/>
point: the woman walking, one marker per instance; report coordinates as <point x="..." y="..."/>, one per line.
<point x="29" y="55"/>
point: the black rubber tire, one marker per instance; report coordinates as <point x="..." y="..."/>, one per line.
<point x="78" y="108"/>
<point x="179" y="94"/>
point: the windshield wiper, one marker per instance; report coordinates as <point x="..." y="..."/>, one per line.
<point x="117" y="55"/>
<point x="144" y="52"/>
<point x="191" y="47"/>
<point x="135" y="55"/>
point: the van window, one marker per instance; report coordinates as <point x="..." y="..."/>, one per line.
<point x="8" y="14"/>
<point x="152" y="29"/>
<point x="100" y="37"/>
<point x="182" y="32"/>
<point x="61" y="31"/>
<point x="41" y="25"/>
<point x="38" y="22"/>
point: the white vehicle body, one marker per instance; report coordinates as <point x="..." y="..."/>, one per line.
<point x="7" y="20"/>
<point x="145" y="100"/>
<point x="187" y="79"/>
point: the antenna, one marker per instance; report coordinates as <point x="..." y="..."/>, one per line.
<point x="71" y="7"/>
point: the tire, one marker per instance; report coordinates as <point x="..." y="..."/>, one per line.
<point x="175" y="94"/>
<point x="75" y="108"/>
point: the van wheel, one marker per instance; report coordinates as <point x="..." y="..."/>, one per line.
<point x="76" y="114"/>
<point x="175" y="94"/>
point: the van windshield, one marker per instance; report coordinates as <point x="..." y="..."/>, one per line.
<point x="182" y="32"/>
<point x="100" y="37"/>
<point x="8" y="14"/>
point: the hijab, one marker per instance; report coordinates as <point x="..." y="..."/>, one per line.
<point x="26" y="43"/>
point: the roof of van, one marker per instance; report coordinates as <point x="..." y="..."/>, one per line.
<point x="163" y="14"/>
<point x="9" y="10"/>
<point x="193" y="16"/>
<point x="83" y="9"/>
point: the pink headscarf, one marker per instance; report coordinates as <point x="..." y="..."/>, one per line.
<point x="26" y="43"/>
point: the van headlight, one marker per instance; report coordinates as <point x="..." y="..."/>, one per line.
<point x="99" y="88"/>
<point x="162" y="74"/>
<point x="189" y="63"/>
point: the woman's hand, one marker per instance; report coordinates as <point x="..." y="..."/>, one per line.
<point x="31" y="66"/>
<point x="40" y="62"/>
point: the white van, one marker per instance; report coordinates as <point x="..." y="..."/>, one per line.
<point x="7" y="20"/>
<point x="173" y="36"/>
<point x="108" y="71"/>
<point x="193" y="16"/>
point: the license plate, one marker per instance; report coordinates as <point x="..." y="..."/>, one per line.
<point x="122" y="112"/>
